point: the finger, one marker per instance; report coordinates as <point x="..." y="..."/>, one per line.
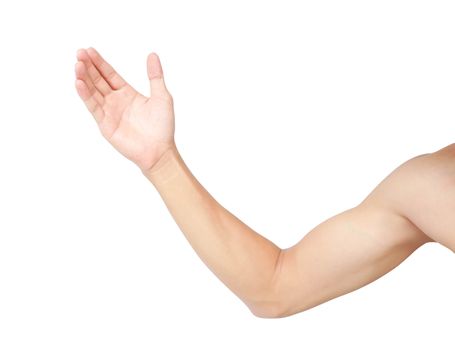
<point x="91" y="104"/>
<point x="155" y="74"/>
<point x="82" y="74"/>
<point x="110" y="75"/>
<point x="98" y="80"/>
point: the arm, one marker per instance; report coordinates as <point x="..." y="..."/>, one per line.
<point x="142" y="129"/>
<point x="240" y="257"/>
<point x="343" y="253"/>
<point x="340" y="255"/>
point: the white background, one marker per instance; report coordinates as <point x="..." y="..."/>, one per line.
<point x="287" y="112"/>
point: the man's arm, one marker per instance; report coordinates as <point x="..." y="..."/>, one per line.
<point x="142" y="129"/>
<point x="341" y="254"/>
<point x="241" y="258"/>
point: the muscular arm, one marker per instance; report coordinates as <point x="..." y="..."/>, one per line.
<point x="340" y="255"/>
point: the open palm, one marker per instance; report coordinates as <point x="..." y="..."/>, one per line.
<point x="139" y="127"/>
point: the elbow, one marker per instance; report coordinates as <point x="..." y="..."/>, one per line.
<point x="277" y="309"/>
<point x="269" y="311"/>
<point x="273" y="301"/>
<point x="280" y="299"/>
<point x="272" y="306"/>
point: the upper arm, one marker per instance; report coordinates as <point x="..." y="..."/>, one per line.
<point x="423" y="191"/>
<point x="347" y="251"/>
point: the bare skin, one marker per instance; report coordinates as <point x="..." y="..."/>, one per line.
<point x="412" y="206"/>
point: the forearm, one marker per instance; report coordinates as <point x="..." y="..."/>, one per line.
<point x="241" y="258"/>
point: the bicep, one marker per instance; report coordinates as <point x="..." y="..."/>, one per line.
<point x="423" y="190"/>
<point x="342" y="254"/>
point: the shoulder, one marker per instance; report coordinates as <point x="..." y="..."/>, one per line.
<point x="435" y="169"/>
<point x="418" y="176"/>
<point x="422" y="190"/>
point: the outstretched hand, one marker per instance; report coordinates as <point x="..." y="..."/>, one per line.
<point x="139" y="127"/>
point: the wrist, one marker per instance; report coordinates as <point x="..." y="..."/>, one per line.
<point x="163" y="167"/>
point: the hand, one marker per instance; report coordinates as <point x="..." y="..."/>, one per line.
<point x="139" y="127"/>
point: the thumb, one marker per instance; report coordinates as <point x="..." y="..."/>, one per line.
<point x="155" y="74"/>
